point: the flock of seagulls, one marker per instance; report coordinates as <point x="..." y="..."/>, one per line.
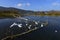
<point x="20" y="25"/>
<point x="29" y="27"/>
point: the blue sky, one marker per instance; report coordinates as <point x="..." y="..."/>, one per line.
<point x="36" y="5"/>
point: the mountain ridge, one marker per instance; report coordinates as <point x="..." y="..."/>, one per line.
<point x="15" y="12"/>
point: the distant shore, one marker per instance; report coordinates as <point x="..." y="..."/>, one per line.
<point x="23" y="16"/>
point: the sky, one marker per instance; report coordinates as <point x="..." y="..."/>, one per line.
<point x="35" y="5"/>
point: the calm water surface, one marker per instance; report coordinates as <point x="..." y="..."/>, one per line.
<point x="50" y="32"/>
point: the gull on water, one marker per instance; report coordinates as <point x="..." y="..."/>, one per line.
<point x="36" y="23"/>
<point x="26" y="24"/>
<point x="19" y="25"/>
<point x="29" y="27"/>
<point x="42" y="25"/>
<point x="23" y="18"/>
<point x="56" y="31"/>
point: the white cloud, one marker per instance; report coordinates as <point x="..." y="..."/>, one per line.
<point x="28" y="4"/>
<point x="19" y="4"/>
<point x="56" y="4"/>
<point x="23" y="4"/>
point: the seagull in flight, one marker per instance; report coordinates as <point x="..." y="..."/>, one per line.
<point x="19" y="25"/>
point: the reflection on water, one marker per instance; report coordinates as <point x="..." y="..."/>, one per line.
<point x="50" y="32"/>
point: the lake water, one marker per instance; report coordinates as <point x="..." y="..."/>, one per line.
<point x="50" y="32"/>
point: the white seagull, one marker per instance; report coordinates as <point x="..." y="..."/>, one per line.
<point x="26" y="24"/>
<point x="24" y="18"/>
<point x="20" y="25"/>
<point x="36" y="23"/>
<point x="42" y="25"/>
<point x="56" y="31"/>
<point x="29" y="27"/>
